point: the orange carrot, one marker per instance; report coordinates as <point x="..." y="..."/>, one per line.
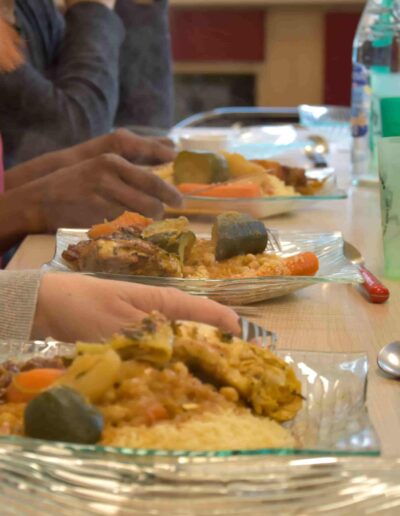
<point x="28" y="384"/>
<point x="241" y="190"/>
<point x="128" y="218"/>
<point x="302" y="264"/>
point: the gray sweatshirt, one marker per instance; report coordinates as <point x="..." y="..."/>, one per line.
<point x="18" y="296"/>
<point x="84" y="74"/>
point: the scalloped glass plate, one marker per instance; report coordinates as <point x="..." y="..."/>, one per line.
<point x="59" y="477"/>
<point x="259" y="208"/>
<point x="283" y="143"/>
<point x="37" y="480"/>
<point x="334" y="418"/>
<point x="334" y="267"/>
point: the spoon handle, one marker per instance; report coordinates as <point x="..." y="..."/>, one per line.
<point x="373" y="288"/>
<point x="319" y="160"/>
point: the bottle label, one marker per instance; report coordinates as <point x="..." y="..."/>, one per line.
<point x="360" y="101"/>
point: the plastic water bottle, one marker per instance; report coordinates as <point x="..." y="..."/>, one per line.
<point x="375" y="51"/>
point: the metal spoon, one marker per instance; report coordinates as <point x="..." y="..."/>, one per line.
<point x="389" y="359"/>
<point x="316" y="150"/>
<point x="373" y="289"/>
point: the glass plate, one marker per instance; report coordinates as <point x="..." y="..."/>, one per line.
<point x="70" y="479"/>
<point x="260" y="208"/>
<point x="334" y="418"/>
<point x="37" y="480"/>
<point x="334" y="267"/>
<point x="284" y="143"/>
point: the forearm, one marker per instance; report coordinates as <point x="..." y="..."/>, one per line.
<point x="146" y="86"/>
<point x="18" y="297"/>
<point x="88" y="62"/>
<point x="122" y="142"/>
<point x="47" y="163"/>
<point x="19" y="215"/>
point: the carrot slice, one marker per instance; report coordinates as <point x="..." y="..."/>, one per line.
<point x="242" y="190"/>
<point x="302" y="264"/>
<point x="128" y="218"/>
<point x="28" y="384"/>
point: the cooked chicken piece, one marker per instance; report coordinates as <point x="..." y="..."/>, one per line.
<point x="291" y="176"/>
<point x="263" y="380"/>
<point x="150" y="340"/>
<point x="122" y="253"/>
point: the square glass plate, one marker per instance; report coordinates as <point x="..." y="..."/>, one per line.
<point x="48" y="477"/>
<point x="259" y="207"/>
<point x="334" y="267"/>
<point x="334" y="418"/>
<point x="50" y="480"/>
<point x="284" y="143"/>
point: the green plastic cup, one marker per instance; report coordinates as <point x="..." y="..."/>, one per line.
<point x="389" y="177"/>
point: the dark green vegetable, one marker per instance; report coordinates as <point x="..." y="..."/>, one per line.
<point x="62" y="414"/>
<point x="238" y="233"/>
<point x="200" y="167"/>
<point x="171" y="235"/>
<point x="174" y="242"/>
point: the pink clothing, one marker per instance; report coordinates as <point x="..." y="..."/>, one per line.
<point x="1" y="167"/>
<point x="1" y="176"/>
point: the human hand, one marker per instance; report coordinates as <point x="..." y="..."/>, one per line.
<point x="107" y="3"/>
<point x="124" y="143"/>
<point x="80" y="196"/>
<point x="94" y="190"/>
<point x="74" y="307"/>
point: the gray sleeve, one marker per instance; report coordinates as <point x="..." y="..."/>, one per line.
<point x="18" y="296"/>
<point x="80" y="99"/>
<point x="146" y="85"/>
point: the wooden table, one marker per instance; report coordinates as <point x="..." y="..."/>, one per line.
<point x="325" y="317"/>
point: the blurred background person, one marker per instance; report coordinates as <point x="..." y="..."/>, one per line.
<point x="101" y="64"/>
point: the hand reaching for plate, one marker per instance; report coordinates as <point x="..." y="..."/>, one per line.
<point x="122" y="142"/>
<point x="84" y="185"/>
<point x="75" y="307"/>
<point x="97" y="189"/>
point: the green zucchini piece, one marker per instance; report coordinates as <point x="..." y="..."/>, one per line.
<point x="62" y="414"/>
<point x="174" y="242"/>
<point x="200" y="167"/>
<point x="171" y="235"/>
<point x="236" y="233"/>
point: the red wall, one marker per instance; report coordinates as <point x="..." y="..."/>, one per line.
<point x="217" y="34"/>
<point x="339" y="33"/>
<point x="229" y="35"/>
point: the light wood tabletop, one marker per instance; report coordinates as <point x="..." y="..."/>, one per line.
<point x="324" y="317"/>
